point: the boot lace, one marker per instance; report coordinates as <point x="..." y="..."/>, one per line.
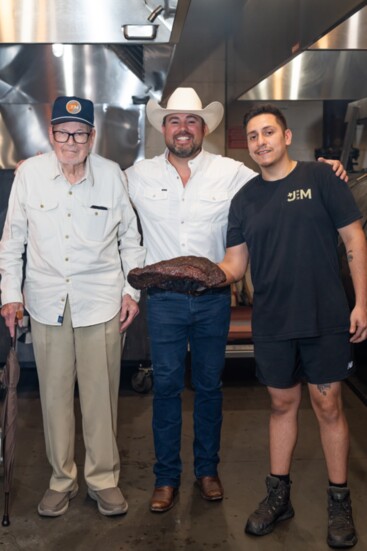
<point x="271" y="503"/>
<point x="340" y="513"/>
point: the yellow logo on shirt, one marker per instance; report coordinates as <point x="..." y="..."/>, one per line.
<point x="299" y="194"/>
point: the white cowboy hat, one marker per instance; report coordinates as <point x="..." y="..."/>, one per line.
<point x="185" y="100"/>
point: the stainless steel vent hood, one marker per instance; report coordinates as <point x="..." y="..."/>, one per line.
<point x="86" y="21"/>
<point x="32" y="76"/>
<point x="334" y="67"/>
<point x="64" y="47"/>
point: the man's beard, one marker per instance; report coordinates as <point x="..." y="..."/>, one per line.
<point x="184" y="153"/>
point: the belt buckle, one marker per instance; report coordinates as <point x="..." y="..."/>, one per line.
<point x="197" y="292"/>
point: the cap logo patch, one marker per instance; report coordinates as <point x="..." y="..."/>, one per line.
<point x="73" y="107"/>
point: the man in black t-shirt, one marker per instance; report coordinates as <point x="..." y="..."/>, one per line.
<point x="287" y="220"/>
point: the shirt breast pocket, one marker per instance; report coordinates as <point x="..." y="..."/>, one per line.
<point x="93" y="223"/>
<point x="156" y="203"/>
<point x="213" y="207"/>
<point x="42" y="217"/>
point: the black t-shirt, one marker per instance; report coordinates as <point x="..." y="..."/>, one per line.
<point x="290" y="228"/>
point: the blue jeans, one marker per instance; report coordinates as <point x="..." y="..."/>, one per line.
<point x="174" y="320"/>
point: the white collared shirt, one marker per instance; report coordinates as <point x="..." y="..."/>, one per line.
<point x="190" y="220"/>
<point x="77" y="238"/>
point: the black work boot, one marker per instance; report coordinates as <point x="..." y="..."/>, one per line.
<point x="341" y="531"/>
<point x="274" y="508"/>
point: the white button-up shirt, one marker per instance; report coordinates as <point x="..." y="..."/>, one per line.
<point x="77" y="238"/>
<point x="190" y="220"/>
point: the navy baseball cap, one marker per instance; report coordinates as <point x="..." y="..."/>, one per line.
<point x="72" y="109"/>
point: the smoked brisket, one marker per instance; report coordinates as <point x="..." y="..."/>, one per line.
<point x="183" y="274"/>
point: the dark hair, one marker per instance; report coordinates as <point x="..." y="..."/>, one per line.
<point x="262" y="109"/>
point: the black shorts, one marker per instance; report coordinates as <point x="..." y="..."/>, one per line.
<point x="318" y="360"/>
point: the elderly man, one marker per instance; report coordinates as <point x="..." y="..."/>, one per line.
<point x="288" y="220"/>
<point x="71" y="209"/>
<point x="182" y="198"/>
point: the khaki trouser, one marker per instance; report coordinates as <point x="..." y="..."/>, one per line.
<point x="92" y="355"/>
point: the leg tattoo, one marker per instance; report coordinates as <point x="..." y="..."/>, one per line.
<point x="323" y="388"/>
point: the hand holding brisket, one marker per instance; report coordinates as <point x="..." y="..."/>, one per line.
<point x="182" y="274"/>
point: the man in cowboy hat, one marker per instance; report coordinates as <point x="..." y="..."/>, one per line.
<point x="71" y="208"/>
<point x="182" y="198"/>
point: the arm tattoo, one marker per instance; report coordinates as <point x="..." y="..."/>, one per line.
<point x="324" y="388"/>
<point x="349" y="256"/>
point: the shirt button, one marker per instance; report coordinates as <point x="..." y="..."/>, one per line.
<point x="69" y="215"/>
<point x="42" y="206"/>
<point x="66" y="259"/>
<point x="96" y="213"/>
<point x="182" y="221"/>
<point x="67" y="280"/>
<point x="66" y="237"/>
<point x="63" y="299"/>
<point x="70" y="193"/>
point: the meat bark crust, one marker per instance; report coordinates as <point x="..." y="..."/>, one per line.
<point x="183" y="274"/>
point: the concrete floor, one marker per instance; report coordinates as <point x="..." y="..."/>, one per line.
<point x="192" y="524"/>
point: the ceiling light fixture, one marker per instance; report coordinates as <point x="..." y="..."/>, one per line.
<point x="58" y="50"/>
<point x="139" y="32"/>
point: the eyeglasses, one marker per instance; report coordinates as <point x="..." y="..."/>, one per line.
<point x="79" y="137"/>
